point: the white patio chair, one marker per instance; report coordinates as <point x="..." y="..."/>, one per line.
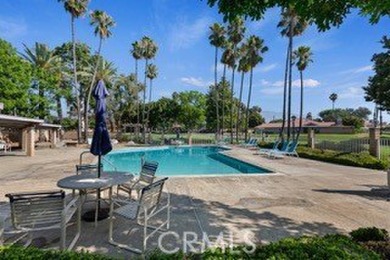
<point x="39" y="211"/>
<point x="141" y="212"/>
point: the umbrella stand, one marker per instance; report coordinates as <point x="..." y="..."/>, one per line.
<point x="103" y="213"/>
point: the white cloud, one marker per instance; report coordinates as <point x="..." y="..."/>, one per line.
<point x="267" y="68"/>
<point x="11" y="28"/>
<point x="275" y="88"/>
<point x="358" y="70"/>
<point x="352" y="92"/>
<point x="197" y="82"/>
<point x="184" y="34"/>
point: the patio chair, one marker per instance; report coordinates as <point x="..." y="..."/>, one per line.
<point x="251" y="143"/>
<point x="141" y="212"/>
<point x="146" y="177"/>
<point x="274" y="148"/>
<point x="39" y="211"/>
<point x="4" y="146"/>
<point x="290" y="151"/>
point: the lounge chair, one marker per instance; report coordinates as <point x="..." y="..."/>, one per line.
<point x="146" y="177"/>
<point x="290" y="151"/>
<point x="141" y="211"/>
<point x="274" y="148"/>
<point x="40" y="211"/>
<point x="251" y="143"/>
<point x="5" y="146"/>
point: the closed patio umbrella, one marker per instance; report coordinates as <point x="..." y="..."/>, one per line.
<point x="101" y="143"/>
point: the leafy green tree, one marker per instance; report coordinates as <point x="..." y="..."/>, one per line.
<point x="217" y="39"/>
<point x="103" y="24"/>
<point x="163" y="114"/>
<point x="44" y="64"/>
<point x="236" y="32"/>
<point x="348" y="116"/>
<point x="191" y="110"/>
<point x="76" y="9"/>
<point x="15" y="81"/>
<point x="255" y="118"/>
<point x="324" y="14"/>
<point x="333" y="97"/>
<point x="302" y="57"/>
<point x="256" y="49"/>
<point x="362" y="112"/>
<point x="224" y="104"/>
<point x="354" y="121"/>
<point x="378" y="87"/>
<point x="291" y="26"/>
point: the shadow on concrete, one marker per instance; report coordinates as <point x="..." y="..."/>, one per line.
<point x="373" y="194"/>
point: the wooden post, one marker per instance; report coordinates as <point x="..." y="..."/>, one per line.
<point x="374" y="134"/>
<point x="30" y="149"/>
<point x="311" y="138"/>
<point x="53" y="138"/>
<point x="24" y="140"/>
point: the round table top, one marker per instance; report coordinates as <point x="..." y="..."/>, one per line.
<point x="91" y="181"/>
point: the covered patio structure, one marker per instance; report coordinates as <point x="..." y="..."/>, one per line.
<point x="27" y="128"/>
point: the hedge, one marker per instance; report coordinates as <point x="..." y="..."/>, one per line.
<point x="362" y="159"/>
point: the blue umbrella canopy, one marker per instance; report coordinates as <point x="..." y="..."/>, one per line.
<point x="101" y="143"/>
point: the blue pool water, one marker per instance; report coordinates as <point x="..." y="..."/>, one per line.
<point x="175" y="161"/>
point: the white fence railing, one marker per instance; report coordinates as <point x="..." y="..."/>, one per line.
<point x="347" y="146"/>
<point x="384" y="148"/>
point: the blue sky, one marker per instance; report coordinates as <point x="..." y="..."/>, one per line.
<point x="185" y="58"/>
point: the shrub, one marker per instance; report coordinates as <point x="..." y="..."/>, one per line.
<point x="380" y="247"/>
<point x="369" y="234"/>
<point x="328" y="247"/>
<point x="265" y="145"/>
<point x="362" y="159"/>
<point x="17" y="252"/>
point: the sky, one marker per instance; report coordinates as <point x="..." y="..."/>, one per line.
<point x="185" y="59"/>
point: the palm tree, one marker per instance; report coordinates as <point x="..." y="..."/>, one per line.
<point x="302" y="56"/>
<point x="255" y="50"/>
<point x="243" y="67"/>
<point x="292" y="25"/>
<point x="151" y="73"/>
<point x="103" y="24"/>
<point x="149" y="51"/>
<point x="217" y="39"/>
<point x="235" y="31"/>
<point x="76" y="8"/>
<point x="225" y="61"/>
<point x="136" y="52"/>
<point x="42" y="59"/>
<point x="333" y="97"/>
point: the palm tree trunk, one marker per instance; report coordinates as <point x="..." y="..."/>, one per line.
<point x="137" y="97"/>
<point x="150" y="100"/>
<point x="281" y="134"/>
<point x="90" y="92"/>
<point x="247" y="105"/>
<point x="143" y="104"/>
<point x="223" y="99"/>
<point x="78" y="103"/>
<point x="332" y="104"/>
<point x="301" y="107"/>
<point x="239" y="106"/>
<point x="231" y="105"/>
<point x="289" y="89"/>
<point x="216" y="90"/>
<point x="59" y="107"/>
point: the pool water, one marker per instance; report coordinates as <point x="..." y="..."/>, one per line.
<point x="179" y="161"/>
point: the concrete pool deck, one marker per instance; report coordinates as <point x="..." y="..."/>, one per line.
<point x="303" y="197"/>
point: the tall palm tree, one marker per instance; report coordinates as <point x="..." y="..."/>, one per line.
<point x="243" y="67"/>
<point x="149" y="51"/>
<point x="136" y="52"/>
<point x="291" y="25"/>
<point x="333" y="97"/>
<point x="76" y="9"/>
<point x="224" y="60"/>
<point x="302" y="57"/>
<point x="151" y="73"/>
<point x="255" y="51"/>
<point x="41" y="59"/>
<point x="217" y="39"/>
<point x="236" y="32"/>
<point x="103" y="24"/>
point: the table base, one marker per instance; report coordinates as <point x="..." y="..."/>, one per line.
<point x="89" y="216"/>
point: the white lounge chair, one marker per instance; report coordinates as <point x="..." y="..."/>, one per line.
<point x="251" y="143"/>
<point x="290" y="151"/>
<point x="141" y="212"/>
<point x="39" y="211"/>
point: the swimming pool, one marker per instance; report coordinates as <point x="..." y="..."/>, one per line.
<point x="181" y="161"/>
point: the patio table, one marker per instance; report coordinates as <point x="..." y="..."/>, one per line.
<point x="84" y="182"/>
